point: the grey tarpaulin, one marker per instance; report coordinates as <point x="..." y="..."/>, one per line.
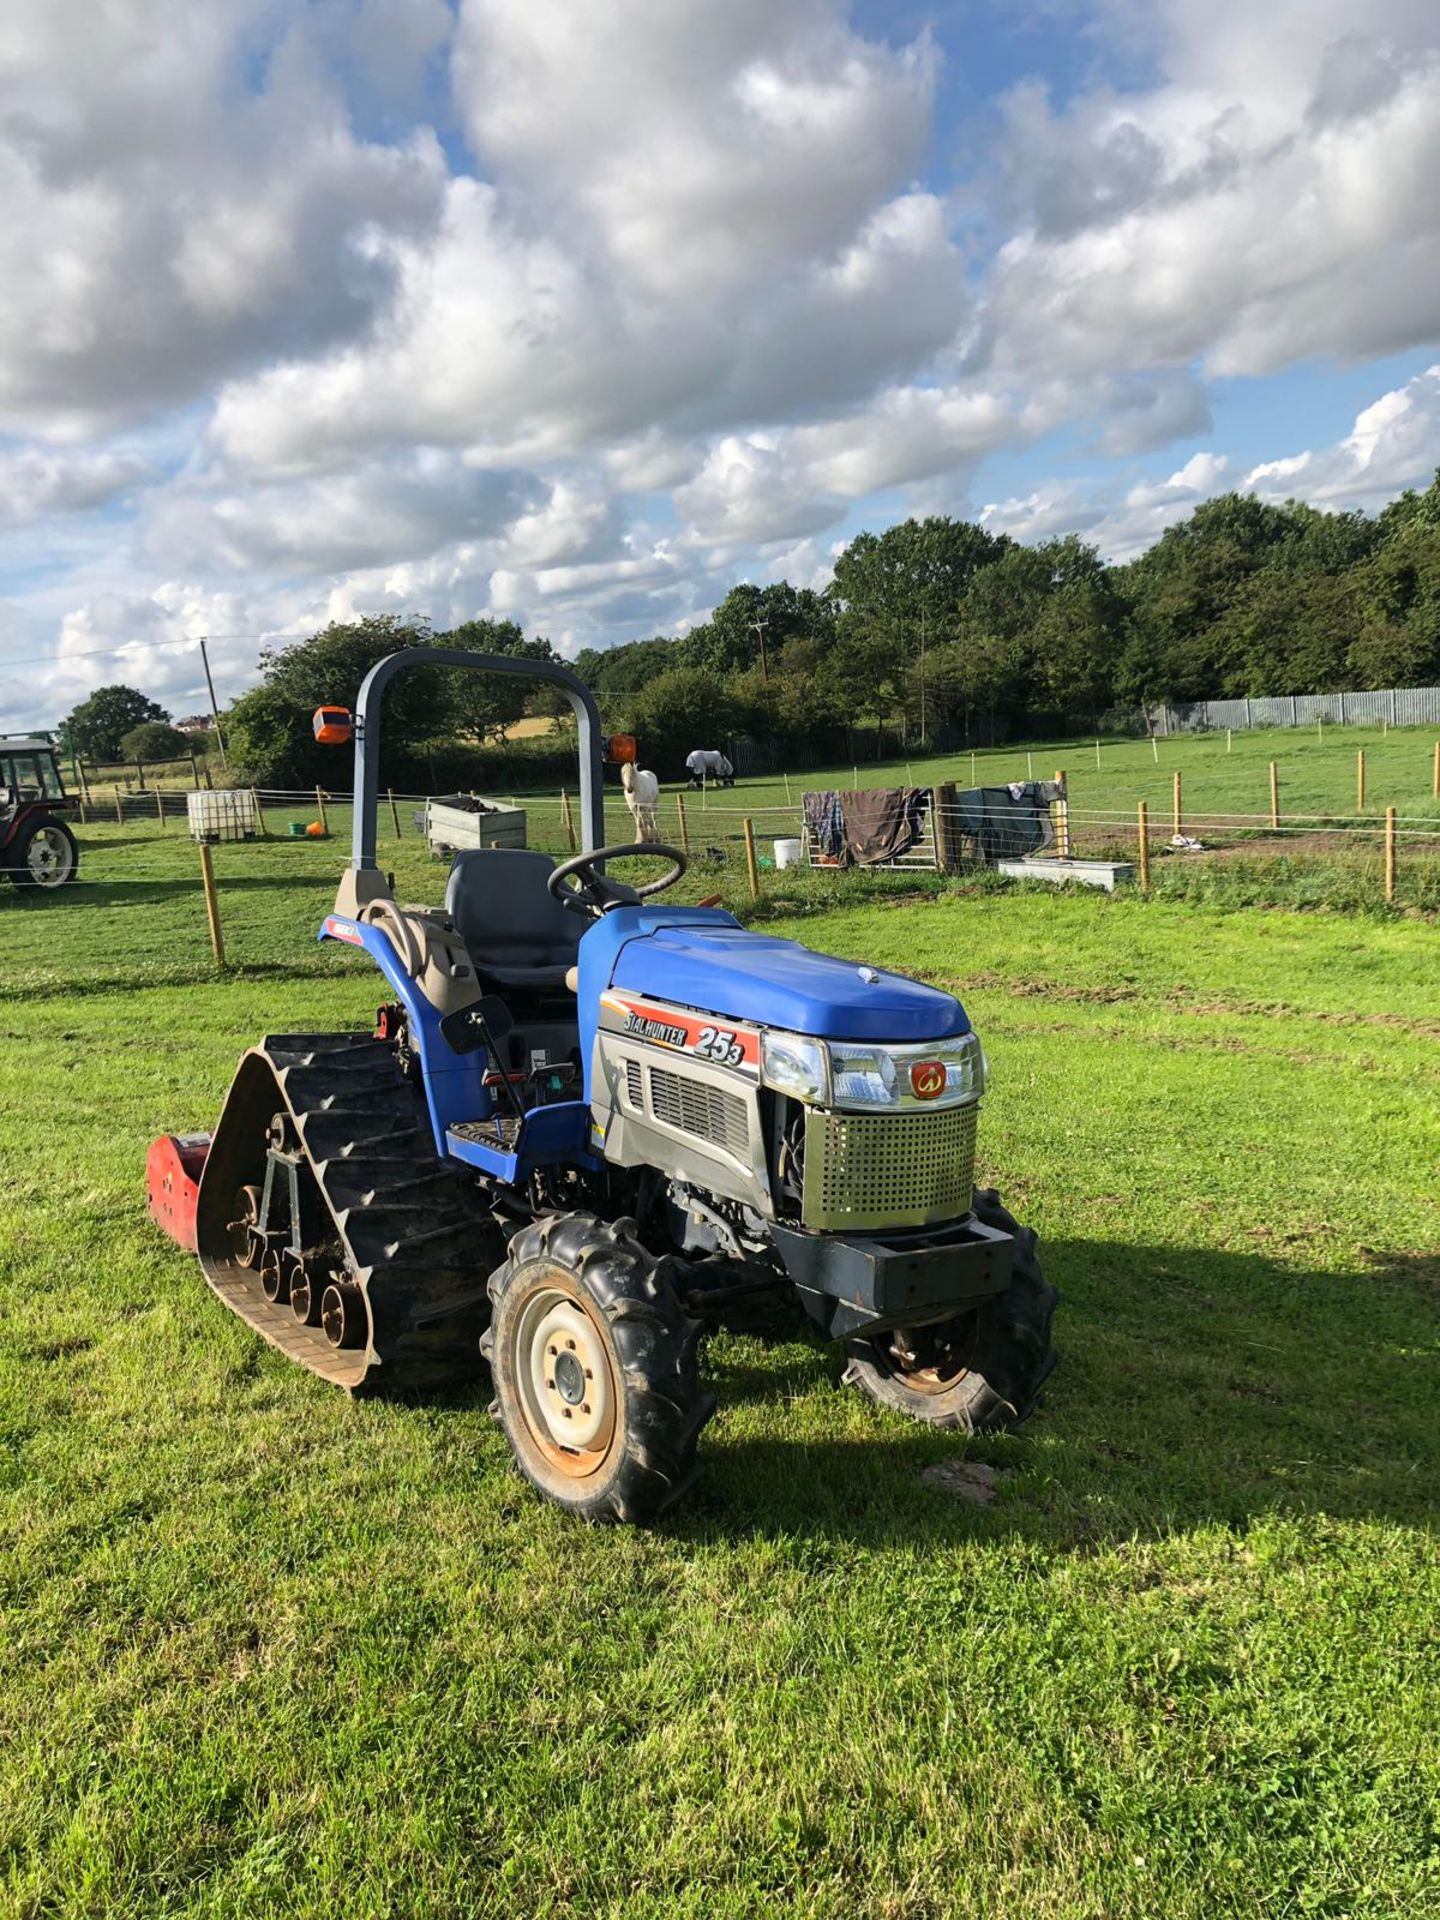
<point x="1006" y="823"/>
<point x="867" y="827"/>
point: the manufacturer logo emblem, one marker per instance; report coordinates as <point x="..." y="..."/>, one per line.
<point x="927" y="1079"/>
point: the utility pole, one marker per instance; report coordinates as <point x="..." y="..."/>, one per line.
<point x="214" y="708"/>
<point x="758" y="627"/>
<point x="923" y="731"/>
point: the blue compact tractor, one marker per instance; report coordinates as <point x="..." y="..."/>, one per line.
<point x="588" y="1127"/>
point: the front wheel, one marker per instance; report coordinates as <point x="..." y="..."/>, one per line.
<point x="45" y="855"/>
<point x="595" y="1367"/>
<point x="981" y="1371"/>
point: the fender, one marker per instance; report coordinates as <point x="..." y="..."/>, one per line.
<point x="454" y="1083"/>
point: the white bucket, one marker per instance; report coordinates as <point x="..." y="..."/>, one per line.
<point x="788" y="852"/>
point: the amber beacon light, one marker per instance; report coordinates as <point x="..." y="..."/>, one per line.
<point x="332" y="726"/>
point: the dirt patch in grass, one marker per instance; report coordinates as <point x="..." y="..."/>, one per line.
<point x="1178" y="1000"/>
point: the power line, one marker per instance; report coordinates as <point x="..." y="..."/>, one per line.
<point x="99" y="653"/>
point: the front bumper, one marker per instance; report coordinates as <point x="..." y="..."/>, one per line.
<point x="856" y="1283"/>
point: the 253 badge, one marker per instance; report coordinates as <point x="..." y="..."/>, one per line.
<point x="720" y="1045"/>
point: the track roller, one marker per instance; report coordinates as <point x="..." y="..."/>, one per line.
<point x="343" y="1315"/>
<point x="274" y="1279"/>
<point x="305" y="1298"/>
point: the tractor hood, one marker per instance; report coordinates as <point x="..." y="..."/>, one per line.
<point x="708" y="962"/>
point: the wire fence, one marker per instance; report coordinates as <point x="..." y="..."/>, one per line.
<point x="1097" y="845"/>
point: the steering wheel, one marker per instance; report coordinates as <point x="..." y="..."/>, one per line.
<point x="596" y="893"/>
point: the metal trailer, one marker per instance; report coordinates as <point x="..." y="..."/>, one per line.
<point x="454" y="821"/>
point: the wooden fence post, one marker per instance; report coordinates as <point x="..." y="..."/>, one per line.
<point x="1062" y="817"/>
<point x="394" y="812"/>
<point x="1179" y="827"/>
<point x="195" y="773"/>
<point x="1274" y="797"/>
<point x="119" y="810"/>
<point x="684" y="824"/>
<point x="320" y="803"/>
<point x="159" y="806"/>
<point x="568" y="818"/>
<point x="750" y="866"/>
<point x="259" y="813"/>
<point x="1389" y="856"/>
<point x="82" y="807"/>
<point x="1360" y="781"/>
<point x="946" y="807"/>
<point x="1144" y="824"/>
<point x="212" y="904"/>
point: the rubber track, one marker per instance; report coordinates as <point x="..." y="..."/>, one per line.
<point x="414" y="1233"/>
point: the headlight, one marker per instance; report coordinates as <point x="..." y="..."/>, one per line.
<point x="863" y="1076"/>
<point x="850" y="1074"/>
<point x="794" y="1064"/>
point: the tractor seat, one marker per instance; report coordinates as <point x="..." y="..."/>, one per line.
<point x="517" y="935"/>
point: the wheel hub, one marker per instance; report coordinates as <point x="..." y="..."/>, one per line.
<point x="933" y="1359"/>
<point x="569" y="1379"/>
<point x="566" y="1387"/>
<point x="48" y="857"/>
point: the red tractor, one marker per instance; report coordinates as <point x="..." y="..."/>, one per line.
<point x="37" y="849"/>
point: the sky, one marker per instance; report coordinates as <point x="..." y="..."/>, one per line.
<point x="578" y="315"/>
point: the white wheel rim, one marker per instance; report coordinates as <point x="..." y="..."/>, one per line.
<point x="48" y="857"/>
<point x="564" y="1378"/>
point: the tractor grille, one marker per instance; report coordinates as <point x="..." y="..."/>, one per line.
<point x="632" y="1086"/>
<point x="707" y="1112"/>
<point x="888" y="1169"/>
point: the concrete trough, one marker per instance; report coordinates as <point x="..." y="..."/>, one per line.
<point x="1108" y="874"/>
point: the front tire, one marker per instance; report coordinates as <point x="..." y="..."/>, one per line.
<point x="44" y="855"/>
<point x="595" y="1366"/>
<point x="980" y="1372"/>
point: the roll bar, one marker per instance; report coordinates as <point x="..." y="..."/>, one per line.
<point x="367" y="737"/>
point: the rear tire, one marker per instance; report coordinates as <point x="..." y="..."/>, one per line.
<point x="595" y="1365"/>
<point x="980" y="1372"/>
<point x="43" y="855"/>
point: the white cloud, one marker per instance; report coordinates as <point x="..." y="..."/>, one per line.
<point x="1271" y="199"/>
<point x="164" y="222"/>
<point x="1394" y="444"/>
<point x="696" y="146"/>
<point x="1050" y="510"/>
<point x="378" y="513"/>
<point x="779" y="486"/>
<point x="36" y="481"/>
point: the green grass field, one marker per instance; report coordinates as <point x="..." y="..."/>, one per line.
<point x="271" y="1653"/>
<point x="1219" y="780"/>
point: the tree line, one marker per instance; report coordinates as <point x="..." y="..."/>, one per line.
<point x="936" y="628"/>
<point x="940" y="623"/>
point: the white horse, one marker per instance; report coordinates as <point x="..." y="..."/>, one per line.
<point x="705" y="763"/>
